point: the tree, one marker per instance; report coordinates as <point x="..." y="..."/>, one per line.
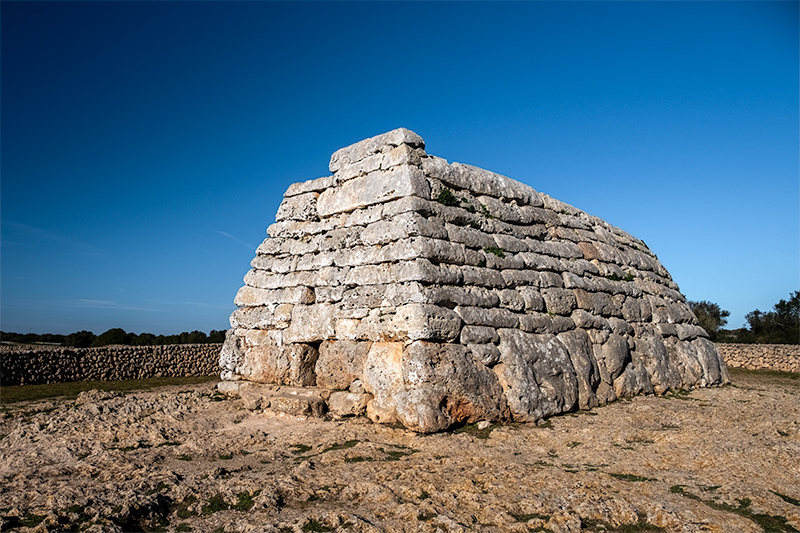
<point x="79" y="339"/>
<point x="779" y="326"/>
<point x="112" y="336"/>
<point x="710" y="316"/>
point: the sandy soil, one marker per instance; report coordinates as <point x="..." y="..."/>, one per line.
<point x="185" y="459"/>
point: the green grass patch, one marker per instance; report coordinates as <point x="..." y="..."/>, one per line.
<point x="215" y="504"/>
<point x="631" y="477"/>
<point x="735" y="372"/>
<point x="769" y="523"/>
<point x="446" y="197"/>
<point x="358" y="459"/>
<point x="342" y="446"/>
<point x="496" y="251"/>
<point x="639" y="526"/>
<point x="787" y="499"/>
<point x="246" y="500"/>
<point x="71" y="390"/>
<point x="299" y="448"/>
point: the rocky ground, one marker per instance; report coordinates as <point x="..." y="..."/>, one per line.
<point x="187" y="459"/>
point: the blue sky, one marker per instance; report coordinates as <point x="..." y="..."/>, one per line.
<point x="146" y="145"/>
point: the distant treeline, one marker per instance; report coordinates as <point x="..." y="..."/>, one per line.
<point x="86" y="339"/>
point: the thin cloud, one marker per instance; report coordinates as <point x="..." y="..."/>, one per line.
<point x="240" y="241"/>
<point x="25" y="234"/>
<point x="108" y="304"/>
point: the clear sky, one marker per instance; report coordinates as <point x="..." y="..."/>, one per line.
<point x="146" y="145"/>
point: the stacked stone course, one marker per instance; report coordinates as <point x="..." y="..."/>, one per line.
<point x="438" y="293"/>
<point x="29" y="365"/>
<point x="781" y="357"/>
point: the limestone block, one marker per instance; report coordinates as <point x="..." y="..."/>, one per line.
<point x="297" y="405"/>
<point x="231" y="356"/>
<point x="478" y="335"/>
<point x="584" y="319"/>
<point x="300" y="207"/>
<point x="368" y="275"/>
<point x="310" y="323"/>
<point x="449" y="296"/>
<point x="402" y="226"/>
<point x="537" y="375"/>
<point x="488" y="354"/>
<point x="425" y="271"/>
<point x="496" y="318"/>
<point x="581" y="355"/>
<point x="316" y="185"/>
<point x="375" y="188"/>
<point x="468" y="236"/>
<point x="388" y="158"/>
<point x="446" y="384"/>
<point x="266" y="360"/>
<point x="314" y="261"/>
<point x="512" y="300"/>
<point x="598" y="303"/>
<point x="482" y="277"/>
<point x="650" y="349"/>
<point x="480" y="181"/>
<point x="531" y="298"/>
<point x="251" y="296"/>
<point x="509" y="243"/>
<point x="397" y="294"/>
<point x="559" y="301"/>
<point x="340" y="362"/>
<point x="345" y="403"/>
<point x="383" y="378"/>
<point x="362" y="149"/>
<point x="620" y="327"/>
<point x="517" y="278"/>
<point x="613" y="355"/>
<point x="427" y="322"/>
<point x="636" y="310"/>
<point x="369" y="296"/>
<point x="536" y="261"/>
<point x="298" y="229"/>
<point x="253" y="317"/>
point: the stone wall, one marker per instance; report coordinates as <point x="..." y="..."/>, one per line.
<point x="782" y="357"/>
<point x="27" y="365"/>
<point x="439" y="293"/>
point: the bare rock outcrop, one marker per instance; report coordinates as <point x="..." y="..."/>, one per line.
<point x="452" y="294"/>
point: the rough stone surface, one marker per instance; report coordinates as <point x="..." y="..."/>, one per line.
<point x="32" y="364"/>
<point x="455" y="295"/>
<point x="721" y="459"/>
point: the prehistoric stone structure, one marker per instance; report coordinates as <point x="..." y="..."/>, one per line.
<point x="433" y="293"/>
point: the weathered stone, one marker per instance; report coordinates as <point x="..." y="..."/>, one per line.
<point x="340" y="363"/>
<point x="362" y="149"/>
<point x="345" y="403"/>
<point x="374" y="188"/>
<point x="310" y="323"/>
<point x="537" y="375"/>
<point x="439" y="286"/>
<point x="427" y="322"/>
<point x="301" y="207"/>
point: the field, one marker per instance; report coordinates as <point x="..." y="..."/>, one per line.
<point x="180" y="457"/>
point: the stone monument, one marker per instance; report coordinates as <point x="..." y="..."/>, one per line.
<point x="429" y="294"/>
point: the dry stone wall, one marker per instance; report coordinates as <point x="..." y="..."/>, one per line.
<point x="28" y="365"/>
<point x="781" y="357"/>
<point x="435" y="293"/>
